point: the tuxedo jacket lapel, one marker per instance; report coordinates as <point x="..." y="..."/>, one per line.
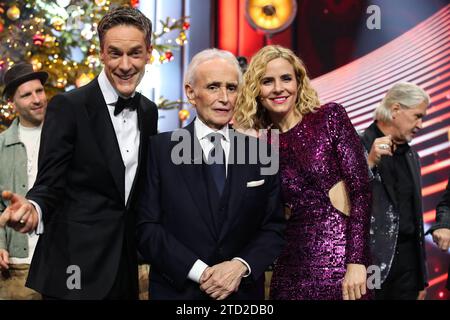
<point x="192" y="174"/>
<point x="238" y="175"/>
<point x="104" y="134"/>
<point x="144" y="121"/>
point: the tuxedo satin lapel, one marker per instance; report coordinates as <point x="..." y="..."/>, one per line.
<point x="192" y="174"/>
<point x="105" y="136"/>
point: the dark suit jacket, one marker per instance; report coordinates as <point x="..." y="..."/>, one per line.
<point x="442" y="211"/>
<point x="443" y="218"/>
<point x="178" y="222"/>
<point x="385" y="218"/>
<point x="81" y="189"/>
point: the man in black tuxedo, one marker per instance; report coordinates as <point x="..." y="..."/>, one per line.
<point x="93" y="148"/>
<point x="209" y="220"/>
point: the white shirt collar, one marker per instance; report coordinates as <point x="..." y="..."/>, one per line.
<point x="108" y="91"/>
<point x="202" y="130"/>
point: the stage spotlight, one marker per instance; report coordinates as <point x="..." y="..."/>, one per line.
<point x="270" y="16"/>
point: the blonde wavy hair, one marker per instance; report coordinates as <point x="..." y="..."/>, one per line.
<point x="249" y="112"/>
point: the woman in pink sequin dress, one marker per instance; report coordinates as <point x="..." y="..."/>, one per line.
<point x="327" y="251"/>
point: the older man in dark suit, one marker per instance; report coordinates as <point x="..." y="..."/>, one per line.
<point x="209" y="221"/>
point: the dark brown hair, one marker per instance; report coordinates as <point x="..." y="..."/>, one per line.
<point x="125" y="16"/>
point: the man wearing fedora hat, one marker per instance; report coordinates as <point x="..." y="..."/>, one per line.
<point x="19" y="146"/>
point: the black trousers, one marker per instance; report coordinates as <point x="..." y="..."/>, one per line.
<point x="122" y="288"/>
<point x="402" y="282"/>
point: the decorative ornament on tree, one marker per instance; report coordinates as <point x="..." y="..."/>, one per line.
<point x="38" y="39"/>
<point x="13" y="13"/>
<point x="169" y="55"/>
<point x="2" y="26"/>
<point x="49" y="41"/>
<point x="181" y="40"/>
<point x="134" y="3"/>
<point x="84" y="79"/>
<point x="186" y="26"/>
<point x="183" y="114"/>
<point x="61" y="82"/>
<point x="100" y="3"/>
<point x="87" y="32"/>
<point x="58" y="23"/>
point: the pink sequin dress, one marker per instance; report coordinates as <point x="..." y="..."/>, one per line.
<point x="317" y="153"/>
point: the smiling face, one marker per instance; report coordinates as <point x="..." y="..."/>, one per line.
<point x="30" y="103"/>
<point x="214" y="91"/>
<point x="124" y="55"/>
<point x="278" y="89"/>
<point x="407" y="121"/>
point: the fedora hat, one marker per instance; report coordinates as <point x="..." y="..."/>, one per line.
<point x="20" y="73"/>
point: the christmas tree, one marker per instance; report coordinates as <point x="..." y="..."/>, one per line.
<point x="60" y="37"/>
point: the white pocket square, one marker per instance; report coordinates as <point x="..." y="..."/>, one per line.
<point x="252" y="184"/>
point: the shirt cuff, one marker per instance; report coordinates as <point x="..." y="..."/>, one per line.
<point x="197" y="270"/>
<point x="249" y="270"/>
<point x="40" y="226"/>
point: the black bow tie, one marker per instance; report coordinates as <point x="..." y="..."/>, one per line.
<point x="130" y="103"/>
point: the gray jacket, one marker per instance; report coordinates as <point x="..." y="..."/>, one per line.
<point x="13" y="177"/>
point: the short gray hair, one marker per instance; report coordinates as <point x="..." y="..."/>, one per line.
<point x="207" y="55"/>
<point x="408" y="95"/>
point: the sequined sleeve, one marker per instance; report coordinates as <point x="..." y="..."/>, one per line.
<point x="354" y="171"/>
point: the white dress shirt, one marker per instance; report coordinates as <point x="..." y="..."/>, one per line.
<point x="127" y="132"/>
<point x="201" y="132"/>
<point x="126" y="127"/>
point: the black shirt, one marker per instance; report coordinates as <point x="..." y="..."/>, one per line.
<point x="399" y="178"/>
